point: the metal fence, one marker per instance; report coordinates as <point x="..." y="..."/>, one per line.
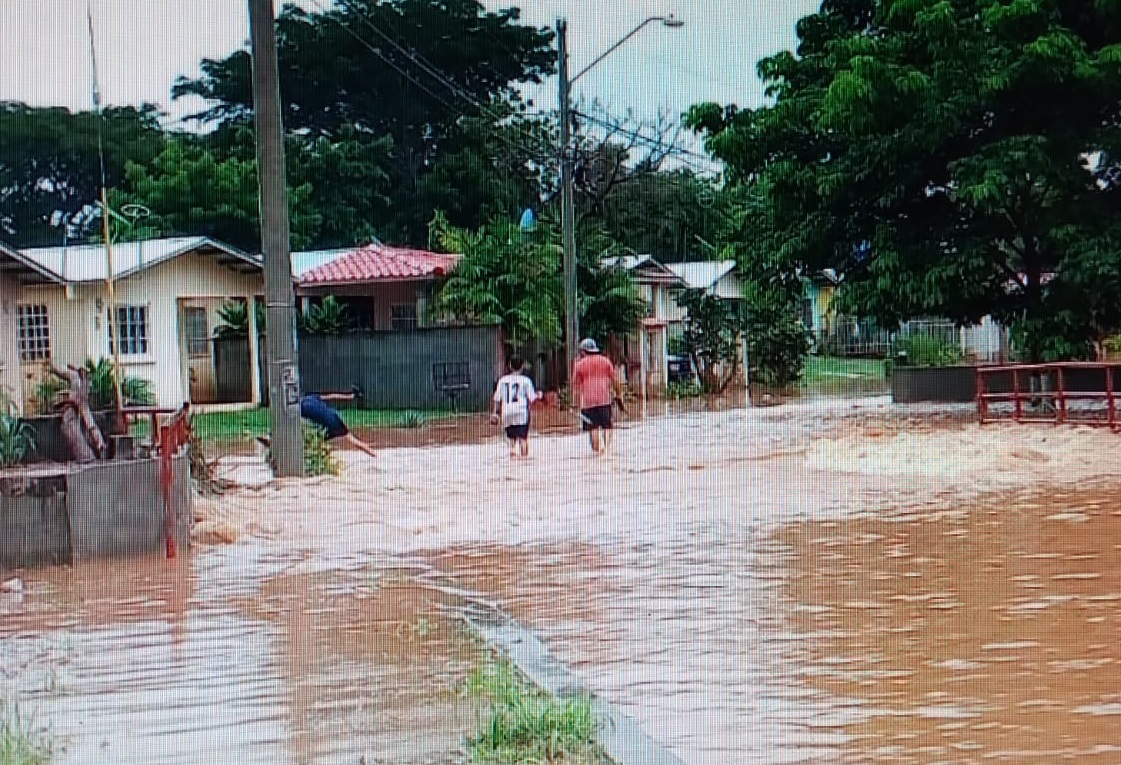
<point x="852" y="336"/>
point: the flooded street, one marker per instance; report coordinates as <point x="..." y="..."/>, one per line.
<point x="818" y="582"/>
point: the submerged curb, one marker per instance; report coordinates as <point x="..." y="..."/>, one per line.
<point x="624" y="740"/>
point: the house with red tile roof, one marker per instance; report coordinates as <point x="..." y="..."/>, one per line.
<point x="382" y="287"/>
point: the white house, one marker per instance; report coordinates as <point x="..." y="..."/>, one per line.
<point x="644" y="352"/>
<point x="16" y="273"/>
<point x="168" y="293"/>
<point x="716" y="277"/>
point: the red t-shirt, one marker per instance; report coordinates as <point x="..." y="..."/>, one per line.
<point x="594" y="381"/>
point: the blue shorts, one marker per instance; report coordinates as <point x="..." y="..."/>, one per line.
<point x="316" y="410"/>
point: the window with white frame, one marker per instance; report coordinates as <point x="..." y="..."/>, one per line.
<point x="34" y="333"/>
<point x="403" y="316"/>
<point x="131" y="326"/>
<point x="197" y="331"/>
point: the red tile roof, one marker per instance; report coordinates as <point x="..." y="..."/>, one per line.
<point x="380" y="263"/>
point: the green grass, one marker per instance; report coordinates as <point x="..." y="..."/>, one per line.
<point x="20" y="742"/>
<point x="523" y="725"/>
<point x="831" y="374"/>
<point x="247" y="424"/>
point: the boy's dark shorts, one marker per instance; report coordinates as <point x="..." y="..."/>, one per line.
<point x="597" y="418"/>
<point x="517" y="432"/>
<point x="318" y="411"/>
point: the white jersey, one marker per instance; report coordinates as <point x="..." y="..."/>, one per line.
<point x="515" y="393"/>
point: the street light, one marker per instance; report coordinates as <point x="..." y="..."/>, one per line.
<point x="568" y="214"/>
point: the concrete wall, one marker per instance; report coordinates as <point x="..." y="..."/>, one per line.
<point x="34" y="526"/>
<point x="105" y="509"/>
<point x="959" y="383"/>
<point x="10" y="381"/>
<point x="394" y="368"/>
<point x="79" y="329"/>
<point x="116" y="508"/>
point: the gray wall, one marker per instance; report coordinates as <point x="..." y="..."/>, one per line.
<point x="99" y="510"/>
<point x="959" y="383"/>
<point x="395" y="369"/>
<point x="116" y="508"/>
<point x="34" y="527"/>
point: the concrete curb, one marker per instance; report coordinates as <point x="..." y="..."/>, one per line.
<point x="624" y="740"/>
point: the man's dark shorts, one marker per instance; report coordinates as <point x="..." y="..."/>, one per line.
<point x="597" y="418"/>
<point x="519" y="432"/>
<point x="318" y="411"/>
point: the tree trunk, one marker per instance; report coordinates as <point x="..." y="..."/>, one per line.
<point x="80" y="449"/>
<point x="81" y="397"/>
<point x="77" y="407"/>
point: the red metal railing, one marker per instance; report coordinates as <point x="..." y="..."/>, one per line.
<point x="1052" y="405"/>
<point x="173" y="436"/>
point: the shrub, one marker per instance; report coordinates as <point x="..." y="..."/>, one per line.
<point x="17" y="440"/>
<point x="413" y="419"/>
<point x="526" y="725"/>
<point x="134" y="390"/>
<point x="318" y="458"/>
<point x="926" y="351"/>
<point x="676" y="391"/>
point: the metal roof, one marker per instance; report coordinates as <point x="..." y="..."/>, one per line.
<point x="703" y="274"/>
<point x="302" y="262"/>
<point x="379" y="263"/>
<point x="645" y="269"/>
<point x="89" y="262"/>
<point x="23" y="269"/>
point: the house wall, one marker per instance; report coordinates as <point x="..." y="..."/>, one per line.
<point x="384" y="295"/>
<point x="79" y="328"/>
<point x="10" y="384"/>
<point x="728" y="288"/>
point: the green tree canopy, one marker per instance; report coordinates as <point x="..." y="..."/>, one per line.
<point x="49" y="166"/>
<point x="515" y="281"/>
<point x="950" y="157"/>
<point x="190" y="191"/>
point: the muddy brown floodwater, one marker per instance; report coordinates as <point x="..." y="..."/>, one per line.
<point x="825" y="582"/>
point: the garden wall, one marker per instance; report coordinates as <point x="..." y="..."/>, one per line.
<point x="396" y="370"/>
<point x="958" y="384"/>
<point x="72" y="513"/>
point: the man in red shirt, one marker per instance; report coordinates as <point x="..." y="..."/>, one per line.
<point x="593" y="387"/>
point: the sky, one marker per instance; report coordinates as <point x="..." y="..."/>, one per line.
<point x="143" y="46"/>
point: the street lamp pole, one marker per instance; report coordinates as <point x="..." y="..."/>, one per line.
<point x="567" y="158"/>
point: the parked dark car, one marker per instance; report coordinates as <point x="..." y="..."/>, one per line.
<point x="680" y="369"/>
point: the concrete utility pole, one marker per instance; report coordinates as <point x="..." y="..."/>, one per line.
<point x="287" y="445"/>
<point x="568" y="214"/>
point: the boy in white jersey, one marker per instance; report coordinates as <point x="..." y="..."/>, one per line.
<point x="513" y="396"/>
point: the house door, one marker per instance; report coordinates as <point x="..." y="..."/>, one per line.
<point x="198" y="352"/>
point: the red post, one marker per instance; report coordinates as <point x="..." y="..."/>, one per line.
<point x="981" y="408"/>
<point x="1018" y="410"/>
<point x="1061" y="409"/>
<point x="1111" y="403"/>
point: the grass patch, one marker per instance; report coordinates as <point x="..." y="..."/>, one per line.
<point x="522" y="724"/>
<point x="250" y="423"/>
<point x="20" y="742"/>
<point x="833" y="374"/>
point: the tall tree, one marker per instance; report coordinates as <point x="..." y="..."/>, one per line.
<point x="191" y="191"/>
<point x="50" y="171"/>
<point x="408" y="69"/>
<point x="947" y="155"/>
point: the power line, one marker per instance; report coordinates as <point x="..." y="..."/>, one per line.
<point x="656" y="142"/>
<point x="433" y="72"/>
